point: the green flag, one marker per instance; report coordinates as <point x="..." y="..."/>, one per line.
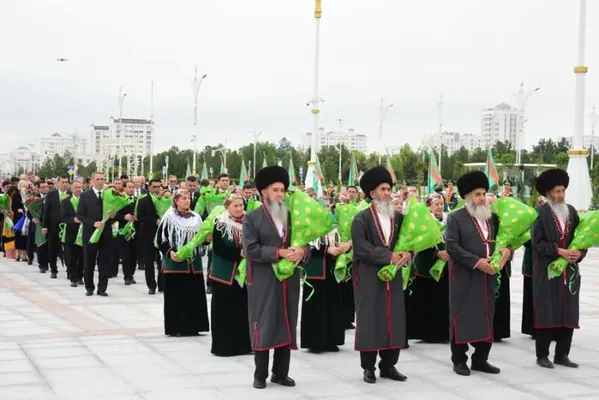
<point x="292" y="179"/>
<point x="352" y="179"/>
<point x="204" y="171"/>
<point x="243" y="174"/>
<point x="187" y="170"/>
<point x="390" y="169"/>
<point x="264" y="164"/>
<point x="491" y="171"/>
<point x="434" y="176"/>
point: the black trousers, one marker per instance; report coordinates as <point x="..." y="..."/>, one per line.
<point x="42" y="256"/>
<point x="31" y="242"/>
<point x="562" y="337"/>
<point x="459" y="356"/>
<point x="389" y="359"/>
<point x="92" y="254"/>
<point x="54" y="247"/>
<point x="129" y="257"/>
<point x="280" y="364"/>
<point x="150" y="259"/>
<point x="74" y="260"/>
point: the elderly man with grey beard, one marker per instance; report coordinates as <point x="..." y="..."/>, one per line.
<point x="380" y="306"/>
<point x="272" y="305"/>
<point x="556" y="301"/>
<point x="470" y="242"/>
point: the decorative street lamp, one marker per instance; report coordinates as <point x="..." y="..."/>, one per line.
<point x="196" y="84"/>
<point x="382" y="113"/>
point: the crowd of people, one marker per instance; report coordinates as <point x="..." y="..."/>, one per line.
<point x="253" y="225"/>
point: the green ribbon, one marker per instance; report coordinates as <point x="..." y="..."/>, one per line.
<point x="241" y="272"/>
<point x="304" y="282"/>
<point x="62" y="234"/>
<point x="128" y="231"/>
<point x="79" y="238"/>
<point x="572" y="280"/>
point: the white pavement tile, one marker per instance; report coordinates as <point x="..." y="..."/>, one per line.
<point x="27" y="392"/>
<point x="20" y="378"/>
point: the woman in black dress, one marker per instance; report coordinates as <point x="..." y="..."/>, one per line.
<point x="185" y="306"/>
<point x="428" y="308"/>
<point x="229" y="304"/>
<point x="18" y="211"/>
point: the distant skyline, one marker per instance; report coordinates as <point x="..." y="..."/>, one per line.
<point x="259" y="61"/>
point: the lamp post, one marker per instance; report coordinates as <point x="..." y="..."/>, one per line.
<point x="196" y="84"/>
<point x="223" y="153"/>
<point x="593" y="119"/>
<point x="579" y="190"/>
<point x="382" y="112"/>
<point x="256" y="135"/>
<point x="120" y="129"/>
<point x="340" y="147"/>
<point x="314" y="103"/>
<point x="522" y="98"/>
<point x="440" y="133"/>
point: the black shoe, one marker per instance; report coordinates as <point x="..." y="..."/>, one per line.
<point x="287" y="381"/>
<point x="103" y="294"/>
<point x="332" y="349"/>
<point x="132" y="280"/>
<point x="30" y="262"/>
<point x="152" y="291"/>
<point x="42" y="271"/>
<point x="89" y="293"/>
<point x="369" y="376"/>
<point x="127" y="282"/>
<point x="316" y="351"/>
<point x="485" y="367"/>
<point x="53" y="275"/>
<point x="565" y="362"/>
<point x="393" y="374"/>
<point x="407" y="346"/>
<point x="545" y="363"/>
<point x="461" y="369"/>
<point x="18" y="259"/>
<point x="73" y="284"/>
<point x="259" y="384"/>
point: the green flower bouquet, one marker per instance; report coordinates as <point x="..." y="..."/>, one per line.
<point x="128" y="231"/>
<point x="345" y="215"/>
<point x="586" y="235"/>
<point x="162" y="204"/>
<point x="206" y="229"/>
<point x="35" y="205"/>
<point x="419" y="231"/>
<point x="241" y="272"/>
<point x="111" y="204"/>
<point x="253" y="204"/>
<point x="309" y="221"/>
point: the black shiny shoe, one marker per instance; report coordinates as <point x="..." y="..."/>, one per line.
<point x="259" y="384"/>
<point x="369" y="376"/>
<point x="73" y="284"/>
<point x="393" y="374"/>
<point x="545" y="363"/>
<point x="103" y="294"/>
<point x="287" y="381"/>
<point x="461" y="369"/>
<point x="89" y="293"/>
<point x="565" y="362"/>
<point x="485" y="367"/>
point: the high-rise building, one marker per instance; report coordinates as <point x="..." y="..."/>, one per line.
<point x="351" y="140"/>
<point x="502" y="124"/>
<point x="60" y="144"/>
<point x="453" y="141"/>
<point x="98" y="134"/>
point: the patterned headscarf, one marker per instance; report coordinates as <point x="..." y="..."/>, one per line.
<point x="432" y="198"/>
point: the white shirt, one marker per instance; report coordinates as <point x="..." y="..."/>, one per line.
<point x="280" y="227"/>
<point x="562" y="223"/>
<point x="484" y="229"/>
<point x="97" y="192"/>
<point x="385" y="223"/>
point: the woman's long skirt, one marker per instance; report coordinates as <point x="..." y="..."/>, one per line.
<point x="501" y="319"/>
<point x="528" y="322"/>
<point x="185" y="306"/>
<point x="229" y="320"/>
<point x="427" y="310"/>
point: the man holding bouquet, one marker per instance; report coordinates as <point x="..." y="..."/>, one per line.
<point x="272" y="304"/>
<point x="470" y="242"/>
<point x="556" y="306"/>
<point x="51" y="219"/>
<point x="380" y="308"/>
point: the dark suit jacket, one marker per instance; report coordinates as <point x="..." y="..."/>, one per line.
<point x="51" y="216"/>
<point x="195" y="196"/>
<point x="68" y="215"/>
<point x="147" y="217"/>
<point x="89" y="210"/>
<point x="130" y="209"/>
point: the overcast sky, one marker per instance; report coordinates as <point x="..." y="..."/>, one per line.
<point x="259" y="58"/>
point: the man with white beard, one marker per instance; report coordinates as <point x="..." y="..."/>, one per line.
<point x="272" y="305"/>
<point x="556" y="301"/>
<point x="380" y="307"/>
<point x="470" y="242"/>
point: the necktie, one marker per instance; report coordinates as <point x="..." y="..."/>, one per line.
<point x="100" y="195"/>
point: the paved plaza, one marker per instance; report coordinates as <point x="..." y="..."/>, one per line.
<point x="56" y="343"/>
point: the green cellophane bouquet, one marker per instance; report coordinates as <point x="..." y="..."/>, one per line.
<point x="112" y="203"/>
<point x="309" y="221"/>
<point x="362" y="205"/>
<point x="253" y="204"/>
<point x="5" y="209"/>
<point x="515" y="220"/>
<point x="209" y="199"/>
<point x="63" y="227"/>
<point x="586" y="235"/>
<point x="419" y="231"/>
<point x="345" y="215"/>
<point x="35" y="205"/>
<point x="206" y="229"/>
<point x="438" y="267"/>
<point x="162" y="204"/>
<point x="128" y="231"/>
<point x="241" y="272"/>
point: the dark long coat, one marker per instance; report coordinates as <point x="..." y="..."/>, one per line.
<point x="471" y="291"/>
<point x="554" y="305"/>
<point x="272" y="305"/>
<point x="380" y="307"/>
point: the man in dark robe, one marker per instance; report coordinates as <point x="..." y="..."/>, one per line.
<point x="556" y="301"/>
<point x="380" y="308"/>
<point x="272" y="305"/>
<point x="470" y="242"/>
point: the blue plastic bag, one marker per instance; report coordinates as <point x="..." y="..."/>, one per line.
<point x="18" y="227"/>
